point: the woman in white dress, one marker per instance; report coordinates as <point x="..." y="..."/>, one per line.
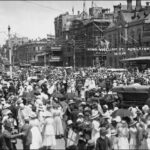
<point x="58" y="126"/>
<point x="133" y="135"/>
<point x="95" y="126"/>
<point x="48" y="132"/>
<point x="36" y="134"/>
<point x="123" y="135"/>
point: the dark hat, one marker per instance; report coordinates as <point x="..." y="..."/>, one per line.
<point x="103" y="131"/>
<point x="7" y="124"/>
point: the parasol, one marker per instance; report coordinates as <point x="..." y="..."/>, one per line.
<point x="71" y="95"/>
<point x="122" y="113"/>
<point x="57" y="95"/>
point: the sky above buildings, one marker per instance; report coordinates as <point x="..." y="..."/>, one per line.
<point x="35" y="19"/>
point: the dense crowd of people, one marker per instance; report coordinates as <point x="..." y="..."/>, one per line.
<point x="41" y="105"/>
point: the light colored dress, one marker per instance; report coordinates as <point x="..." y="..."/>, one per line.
<point x="36" y="135"/>
<point x="148" y="138"/>
<point x="95" y="130"/>
<point x="58" y="126"/>
<point x="49" y="133"/>
<point x="133" y="138"/>
<point x="123" y="142"/>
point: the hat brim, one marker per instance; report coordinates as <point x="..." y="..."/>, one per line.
<point x="134" y="123"/>
<point x="95" y="116"/>
<point x="71" y="103"/>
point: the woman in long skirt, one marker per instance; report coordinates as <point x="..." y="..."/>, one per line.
<point x="48" y="132"/>
<point x="36" y="142"/>
<point x="58" y="126"/>
<point x="123" y="135"/>
<point x="133" y="135"/>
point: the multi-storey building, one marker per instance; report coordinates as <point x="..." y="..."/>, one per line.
<point x="61" y="24"/>
<point x="82" y="46"/>
<point x="129" y="33"/>
<point x="26" y="53"/>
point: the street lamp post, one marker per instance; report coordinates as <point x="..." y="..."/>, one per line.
<point x="10" y="52"/>
<point x="74" y="54"/>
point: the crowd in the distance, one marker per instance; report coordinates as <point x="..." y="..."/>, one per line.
<point x="40" y="106"/>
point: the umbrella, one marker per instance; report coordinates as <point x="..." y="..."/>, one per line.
<point x="41" y="82"/>
<point x="122" y="113"/>
<point x="57" y="95"/>
<point x="71" y="95"/>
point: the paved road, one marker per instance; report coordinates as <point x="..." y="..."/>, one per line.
<point x="59" y="146"/>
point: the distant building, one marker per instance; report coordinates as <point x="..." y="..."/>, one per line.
<point x="129" y="33"/>
<point x="52" y="57"/>
<point x="62" y="23"/>
<point x="26" y="53"/>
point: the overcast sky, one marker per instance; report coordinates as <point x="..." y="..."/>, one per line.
<point x="35" y="19"/>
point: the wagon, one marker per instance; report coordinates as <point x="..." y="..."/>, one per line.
<point x="133" y="95"/>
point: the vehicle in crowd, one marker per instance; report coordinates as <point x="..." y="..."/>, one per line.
<point x="133" y="95"/>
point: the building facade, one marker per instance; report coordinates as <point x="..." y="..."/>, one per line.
<point x="83" y="45"/>
<point x="26" y="53"/>
<point x="61" y="24"/>
<point x="129" y="33"/>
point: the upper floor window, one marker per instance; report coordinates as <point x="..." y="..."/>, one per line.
<point x="132" y="37"/>
<point x="139" y="36"/>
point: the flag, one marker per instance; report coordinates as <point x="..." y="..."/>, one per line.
<point x="73" y="10"/>
<point x="107" y="44"/>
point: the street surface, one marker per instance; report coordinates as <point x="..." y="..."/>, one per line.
<point x="60" y="144"/>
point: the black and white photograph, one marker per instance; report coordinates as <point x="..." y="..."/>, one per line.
<point x="75" y="75"/>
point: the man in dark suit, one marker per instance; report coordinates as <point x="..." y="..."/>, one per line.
<point x="103" y="142"/>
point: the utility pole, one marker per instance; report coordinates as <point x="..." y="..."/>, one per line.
<point x="10" y="52"/>
<point x="74" y="55"/>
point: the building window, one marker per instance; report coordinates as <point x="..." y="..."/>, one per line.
<point x="121" y="38"/>
<point x="115" y="40"/>
<point x="139" y="37"/>
<point x="110" y="40"/>
<point x="132" y="37"/>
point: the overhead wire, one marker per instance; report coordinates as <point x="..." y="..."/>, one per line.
<point x="43" y="6"/>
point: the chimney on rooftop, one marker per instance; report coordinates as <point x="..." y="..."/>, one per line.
<point x="138" y="5"/>
<point x="129" y="5"/>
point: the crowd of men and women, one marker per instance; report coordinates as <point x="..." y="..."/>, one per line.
<point x="39" y="106"/>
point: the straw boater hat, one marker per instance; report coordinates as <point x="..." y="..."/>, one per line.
<point x="47" y="114"/>
<point x="113" y="132"/>
<point x="95" y="114"/>
<point x="33" y="115"/>
<point x="19" y="101"/>
<point x="40" y="108"/>
<point x="71" y="102"/>
<point x="117" y="119"/>
<point x="132" y="123"/>
<point x="69" y="122"/>
<point x="80" y="115"/>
